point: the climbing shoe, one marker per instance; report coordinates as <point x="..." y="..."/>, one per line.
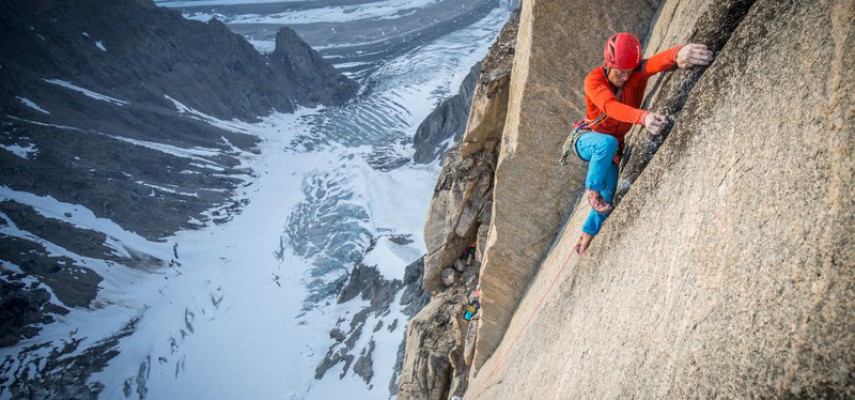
<point x="598" y="203"/>
<point x="583" y="243"/>
<point x="578" y="248"/>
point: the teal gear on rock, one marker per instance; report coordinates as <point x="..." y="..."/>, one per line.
<point x="470" y="310"/>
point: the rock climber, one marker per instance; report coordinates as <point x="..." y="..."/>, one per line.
<point x="613" y="93"/>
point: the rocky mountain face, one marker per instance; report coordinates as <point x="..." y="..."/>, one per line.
<point x="368" y="284"/>
<point x="726" y="269"/>
<point x="439" y="344"/>
<point x="135" y="51"/>
<point x="446" y="122"/>
<point x="107" y="104"/>
<point x="315" y="81"/>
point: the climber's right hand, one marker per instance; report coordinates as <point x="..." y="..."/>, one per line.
<point x="655" y="122"/>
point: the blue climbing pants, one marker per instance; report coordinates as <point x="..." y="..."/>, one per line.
<point x="598" y="149"/>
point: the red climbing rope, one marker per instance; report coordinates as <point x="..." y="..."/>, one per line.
<point x="525" y="326"/>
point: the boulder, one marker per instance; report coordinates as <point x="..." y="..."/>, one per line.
<point x="450" y="276"/>
<point x="432" y="336"/>
<point x="460" y="265"/>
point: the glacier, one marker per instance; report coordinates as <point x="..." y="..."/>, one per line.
<point x="247" y="308"/>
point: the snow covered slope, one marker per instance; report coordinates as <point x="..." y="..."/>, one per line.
<point x="298" y="296"/>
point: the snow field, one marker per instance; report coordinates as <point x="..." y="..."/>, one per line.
<point x="225" y="319"/>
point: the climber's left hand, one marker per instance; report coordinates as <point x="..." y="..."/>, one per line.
<point x="694" y="54"/>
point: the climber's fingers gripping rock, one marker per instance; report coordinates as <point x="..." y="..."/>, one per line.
<point x="694" y="54"/>
<point x="655" y="122"/>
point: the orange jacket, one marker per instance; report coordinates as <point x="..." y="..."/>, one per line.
<point x="623" y="112"/>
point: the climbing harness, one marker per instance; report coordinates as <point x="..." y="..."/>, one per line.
<point x="580" y="128"/>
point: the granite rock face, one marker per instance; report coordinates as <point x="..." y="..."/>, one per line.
<point x="440" y="344"/>
<point x="532" y="195"/>
<point x="726" y="270"/>
<point x="461" y="204"/>
<point x="710" y="23"/>
<point x="433" y="336"/>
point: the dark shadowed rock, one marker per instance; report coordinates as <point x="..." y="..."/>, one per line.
<point x="73" y="284"/>
<point x="84" y="242"/>
<point x="20" y="309"/>
<point x="364" y="366"/>
<point x="318" y="83"/>
<point x="65" y="371"/>
<point x="132" y="50"/>
<point x="414" y="298"/>
<point x="446" y="122"/>
<point x="367" y="283"/>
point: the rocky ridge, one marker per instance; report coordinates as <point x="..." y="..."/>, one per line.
<point x="137" y="52"/>
<point x="439" y="344"/>
<point x="368" y="284"/>
<point x="357" y="46"/>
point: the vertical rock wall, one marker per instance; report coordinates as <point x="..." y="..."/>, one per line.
<point x="727" y="270"/>
<point x="461" y="203"/>
<point x="434" y="343"/>
<point x="439" y="344"/>
<point x="558" y="43"/>
<point x="694" y="21"/>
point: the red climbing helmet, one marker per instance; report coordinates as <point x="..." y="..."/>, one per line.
<point x="623" y="51"/>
